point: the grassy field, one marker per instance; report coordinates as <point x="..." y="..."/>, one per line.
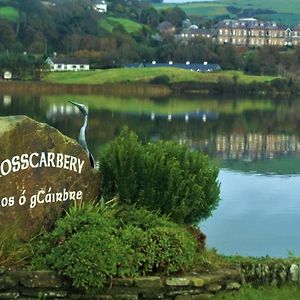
<point x="263" y="293"/>
<point x="8" y="13"/>
<point x="110" y="23"/>
<point x="286" y="12"/>
<point x="134" y="75"/>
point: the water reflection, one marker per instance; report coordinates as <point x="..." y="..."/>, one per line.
<point x="258" y="214"/>
<point x="245" y="131"/>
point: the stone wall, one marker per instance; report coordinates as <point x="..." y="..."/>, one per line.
<point x="48" y="285"/>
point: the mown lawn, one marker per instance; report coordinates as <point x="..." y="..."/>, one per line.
<point x="263" y="293"/>
<point x="134" y="75"/>
<point x="110" y="23"/>
<point x="8" y="13"/>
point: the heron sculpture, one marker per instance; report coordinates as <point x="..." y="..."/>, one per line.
<point x="81" y="139"/>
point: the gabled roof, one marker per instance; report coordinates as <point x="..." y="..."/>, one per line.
<point x="191" y="66"/>
<point x="69" y="60"/>
<point x="249" y="23"/>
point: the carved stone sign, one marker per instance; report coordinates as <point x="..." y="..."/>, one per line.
<point x="42" y="172"/>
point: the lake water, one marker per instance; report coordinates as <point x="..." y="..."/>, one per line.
<point x="256" y="143"/>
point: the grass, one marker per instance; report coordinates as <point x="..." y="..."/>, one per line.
<point x="110" y="23"/>
<point x="134" y="75"/>
<point x="8" y="13"/>
<point x="13" y="252"/>
<point x="288" y="11"/>
<point x="288" y="292"/>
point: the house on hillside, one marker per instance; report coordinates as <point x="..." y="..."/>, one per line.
<point x="166" y="28"/>
<point x="67" y="64"/>
<point x="253" y="32"/>
<point x="205" y="67"/>
<point x="100" y="6"/>
<point x="296" y="35"/>
<point x="193" y="32"/>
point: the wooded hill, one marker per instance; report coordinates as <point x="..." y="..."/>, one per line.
<point x="73" y="27"/>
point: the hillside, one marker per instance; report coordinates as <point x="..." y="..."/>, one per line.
<point x="67" y="26"/>
<point x="285" y="12"/>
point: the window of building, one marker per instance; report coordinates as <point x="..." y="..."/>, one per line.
<point x="74" y="67"/>
<point x="58" y="66"/>
<point x="221" y="31"/>
<point x="81" y="66"/>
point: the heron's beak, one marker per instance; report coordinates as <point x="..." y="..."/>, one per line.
<point x="74" y="103"/>
<point x="79" y="106"/>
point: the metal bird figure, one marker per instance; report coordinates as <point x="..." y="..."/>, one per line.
<point x="81" y="139"/>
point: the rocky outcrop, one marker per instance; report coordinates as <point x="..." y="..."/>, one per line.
<point x="42" y="172"/>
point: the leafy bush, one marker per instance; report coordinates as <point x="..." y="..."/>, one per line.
<point x="83" y="246"/>
<point x="121" y="166"/>
<point x="162" y="79"/>
<point x="90" y="245"/>
<point x="161" y="176"/>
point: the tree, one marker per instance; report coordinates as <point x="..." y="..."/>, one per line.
<point x="163" y="176"/>
<point x="175" y="15"/>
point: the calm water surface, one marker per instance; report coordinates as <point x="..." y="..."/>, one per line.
<point x="255" y="142"/>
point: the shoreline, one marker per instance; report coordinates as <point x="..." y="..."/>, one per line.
<point x="143" y="89"/>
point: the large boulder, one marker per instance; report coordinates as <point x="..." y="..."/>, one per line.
<point x="42" y="172"/>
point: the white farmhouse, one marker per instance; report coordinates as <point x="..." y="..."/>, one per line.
<point x="100" y="6"/>
<point x="67" y="64"/>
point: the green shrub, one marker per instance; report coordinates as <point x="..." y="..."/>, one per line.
<point x="121" y="166"/>
<point x="83" y="246"/>
<point x="90" y="245"/>
<point x="162" y="245"/>
<point x="163" y="176"/>
<point x="162" y="79"/>
<point x="174" y="248"/>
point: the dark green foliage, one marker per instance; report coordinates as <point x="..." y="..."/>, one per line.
<point x="281" y="85"/>
<point x="122" y="166"/>
<point x="163" y="79"/>
<point x="162" y="176"/>
<point x="92" y="244"/>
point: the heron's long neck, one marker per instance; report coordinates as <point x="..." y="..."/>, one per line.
<point x="81" y="138"/>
